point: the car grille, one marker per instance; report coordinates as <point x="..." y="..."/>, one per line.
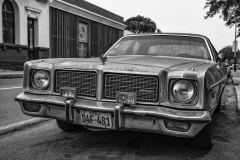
<point x="146" y="87"/>
<point x="85" y="82"/>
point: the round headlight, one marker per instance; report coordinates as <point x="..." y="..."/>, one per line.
<point x="41" y="79"/>
<point x="183" y="90"/>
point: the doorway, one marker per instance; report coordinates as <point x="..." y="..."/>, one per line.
<point x="30" y="29"/>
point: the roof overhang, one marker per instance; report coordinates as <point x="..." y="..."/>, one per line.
<point x="70" y="8"/>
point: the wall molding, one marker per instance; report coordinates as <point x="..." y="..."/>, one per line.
<point x="18" y="47"/>
<point x="33" y="12"/>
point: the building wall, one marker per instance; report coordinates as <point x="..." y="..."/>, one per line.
<point x="21" y="15"/>
<point x="102" y="38"/>
<point x="65" y="39"/>
<point x="56" y="31"/>
<point x="18" y="52"/>
<point x="102" y="31"/>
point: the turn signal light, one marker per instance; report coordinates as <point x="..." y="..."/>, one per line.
<point x="126" y="98"/>
<point x="177" y="126"/>
<point x="68" y="92"/>
<point x="31" y="107"/>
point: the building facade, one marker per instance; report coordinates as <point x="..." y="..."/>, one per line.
<point x="37" y="29"/>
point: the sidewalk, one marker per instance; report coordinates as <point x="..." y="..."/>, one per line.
<point x="11" y="74"/>
<point x="236" y="77"/>
<point x="236" y="81"/>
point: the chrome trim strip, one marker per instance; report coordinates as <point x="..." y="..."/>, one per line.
<point x="78" y="97"/>
<point x="142" y="110"/>
<point x="165" y="34"/>
<point x="118" y="119"/>
<point x="69" y="110"/>
<point x="114" y="100"/>
<point x="99" y="90"/>
<point x="132" y="73"/>
<point x="214" y="85"/>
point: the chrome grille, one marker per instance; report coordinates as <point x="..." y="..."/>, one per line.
<point x="146" y="87"/>
<point x="85" y="82"/>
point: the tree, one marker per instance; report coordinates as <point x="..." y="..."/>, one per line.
<point x="141" y="24"/>
<point x="229" y="10"/>
<point x="227" y="51"/>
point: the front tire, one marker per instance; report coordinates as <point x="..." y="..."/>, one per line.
<point x="204" y="138"/>
<point x="68" y="126"/>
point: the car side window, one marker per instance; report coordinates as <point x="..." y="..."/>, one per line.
<point x="214" y="52"/>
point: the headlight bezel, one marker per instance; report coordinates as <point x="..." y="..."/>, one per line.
<point x="35" y="86"/>
<point x="190" y="101"/>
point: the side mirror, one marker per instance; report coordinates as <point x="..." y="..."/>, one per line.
<point x="221" y="58"/>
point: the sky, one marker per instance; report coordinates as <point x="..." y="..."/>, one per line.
<point x="184" y="16"/>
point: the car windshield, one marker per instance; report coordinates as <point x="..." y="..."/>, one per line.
<point x="162" y="45"/>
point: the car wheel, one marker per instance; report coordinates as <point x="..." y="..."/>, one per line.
<point x="68" y="126"/>
<point x="204" y="138"/>
<point x="218" y="108"/>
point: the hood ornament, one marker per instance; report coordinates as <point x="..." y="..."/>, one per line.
<point x="103" y="59"/>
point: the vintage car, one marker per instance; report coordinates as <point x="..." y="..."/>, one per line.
<point x="167" y="83"/>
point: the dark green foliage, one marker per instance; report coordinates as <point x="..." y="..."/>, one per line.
<point x="227" y="51"/>
<point x="229" y="10"/>
<point x="141" y="24"/>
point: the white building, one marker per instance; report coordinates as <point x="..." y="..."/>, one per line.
<point x="35" y="29"/>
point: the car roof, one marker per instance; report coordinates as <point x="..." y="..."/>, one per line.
<point x="171" y="34"/>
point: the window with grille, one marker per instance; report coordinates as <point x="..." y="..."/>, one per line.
<point x="83" y="40"/>
<point x="82" y="50"/>
<point x="8" y="22"/>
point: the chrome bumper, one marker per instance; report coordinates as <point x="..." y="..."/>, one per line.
<point x="135" y="117"/>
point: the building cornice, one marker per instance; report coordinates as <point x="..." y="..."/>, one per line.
<point x="88" y="14"/>
<point x="33" y="10"/>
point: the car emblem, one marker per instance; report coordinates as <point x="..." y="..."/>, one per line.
<point x="103" y="59"/>
<point x="146" y="91"/>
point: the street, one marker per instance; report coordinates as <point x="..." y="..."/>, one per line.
<point x="47" y="141"/>
<point x="10" y="111"/>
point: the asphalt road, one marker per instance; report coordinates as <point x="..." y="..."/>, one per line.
<point x="10" y="111"/>
<point x="47" y="141"/>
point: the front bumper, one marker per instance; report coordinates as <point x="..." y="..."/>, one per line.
<point x="124" y="117"/>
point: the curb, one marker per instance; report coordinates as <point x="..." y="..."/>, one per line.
<point x="11" y="76"/>
<point x="21" y="125"/>
<point x="238" y="97"/>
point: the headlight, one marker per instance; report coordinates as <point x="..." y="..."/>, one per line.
<point x="183" y="90"/>
<point x="41" y="79"/>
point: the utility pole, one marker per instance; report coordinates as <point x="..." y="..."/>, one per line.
<point x="235" y="48"/>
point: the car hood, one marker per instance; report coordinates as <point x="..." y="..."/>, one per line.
<point x="124" y="63"/>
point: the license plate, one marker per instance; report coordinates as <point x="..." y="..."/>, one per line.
<point x="96" y="119"/>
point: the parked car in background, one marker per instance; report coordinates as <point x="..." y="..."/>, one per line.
<point x="163" y="83"/>
<point x="231" y="67"/>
